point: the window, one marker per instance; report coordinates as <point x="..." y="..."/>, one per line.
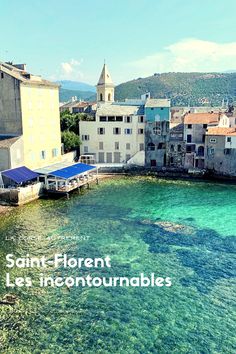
<point x="189" y="126"/>
<point x="172" y="148"/>
<point x="116" y="131"/>
<point x="227" y="151"/>
<point x="109" y="157"/>
<point x="228" y="139"/>
<point x="141" y="147"/>
<point x="85" y="137"/>
<point x="151" y="146"/>
<point x="100" y="145"/>
<point x="128" y="131"/>
<point x="203" y="138"/>
<point x="140" y="119"/>
<point x="161" y="146"/>
<point x="116" y="157"/>
<point x="43" y="154"/>
<point x="189" y="138"/>
<point x="171" y="160"/>
<point x="117" y="145"/>
<point x="54" y="152"/>
<point x="212" y="140"/>
<point x="128" y="119"/>
<point x="157" y="131"/>
<point x="101" y="131"/>
<point x="179" y="148"/>
<point x="101" y="98"/>
<point x="119" y="119"/>
<point x="85" y="149"/>
<point x="211" y="151"/>
<point x="111" y="119"/>
<point x="109" y="97"/>
<point x="140" y="131"/>
<point x="201" y="151"/>
<point x="128" y="146"/>
<point x="204" y="126"/>
<point x="101" y="157"/>
<point x="102" y="118"/>
<point x="2" y="75"/>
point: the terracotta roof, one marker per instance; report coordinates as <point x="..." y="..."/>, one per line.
<point x="221" y="131"/>
<point x="201" y="118"/>
<point x="7" y="142"/>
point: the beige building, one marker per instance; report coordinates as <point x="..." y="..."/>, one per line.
<point x="117" y="134"/>
<point x="29" y="119"/>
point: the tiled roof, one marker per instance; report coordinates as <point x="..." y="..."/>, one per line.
<point x="221" y="131"/>
<point x="152" y="102"/>
<point x="25" y="77"/>
<point x="7" y="142"/>
<point x="201" y="118"/>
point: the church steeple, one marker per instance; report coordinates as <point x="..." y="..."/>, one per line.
<point x="105" y="87"/>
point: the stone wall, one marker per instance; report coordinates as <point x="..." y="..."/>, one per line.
<point x="22" y="195"/>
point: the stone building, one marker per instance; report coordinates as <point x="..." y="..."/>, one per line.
<point x="221" y="151"/>
<point x="157" y="117"/>
<point x="195" y="127"/>
<point x="176" y="147"/>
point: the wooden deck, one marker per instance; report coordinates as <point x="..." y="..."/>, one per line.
<point x="65" y="190"/>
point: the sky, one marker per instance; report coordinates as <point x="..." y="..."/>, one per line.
<point x="69" y="40"/>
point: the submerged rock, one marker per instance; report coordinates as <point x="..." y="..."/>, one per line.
<point x="170" y="226"/>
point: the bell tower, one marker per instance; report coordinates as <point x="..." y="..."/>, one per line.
<point x="105" y="87"/>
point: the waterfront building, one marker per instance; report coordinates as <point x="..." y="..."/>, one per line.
<point x="116" y="136"/>
<point x="29" y="119"/>
<point x="195" y="127"/>
<point x="132" y="132"/>
<point x="176" y="147"/>
<point x="157" y="117"/>
<point x="221" y="150"/>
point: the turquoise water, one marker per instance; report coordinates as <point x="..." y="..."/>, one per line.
<point x="177" y="229"/>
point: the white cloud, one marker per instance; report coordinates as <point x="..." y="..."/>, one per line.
<point x="188" y="55"/>
<point x="70" y="70"/>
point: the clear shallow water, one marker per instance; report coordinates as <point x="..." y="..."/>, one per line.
<point x="184" y="230"/>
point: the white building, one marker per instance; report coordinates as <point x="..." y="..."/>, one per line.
<point x="117" y="134"/>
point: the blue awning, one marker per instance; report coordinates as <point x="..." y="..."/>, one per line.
<point x="72" y="171"/>
<point x="20" y="174"/>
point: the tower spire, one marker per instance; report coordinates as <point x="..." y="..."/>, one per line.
<point x="105" y="86"/>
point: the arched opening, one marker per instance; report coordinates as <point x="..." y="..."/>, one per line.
<point x="101" y="98"/>
<point x="201" y="151"/>
<point x="151" y="146"/>
<point x="109" y="97"/>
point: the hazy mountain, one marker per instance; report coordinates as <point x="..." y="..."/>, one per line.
<point x="76" y="85"/>
<point x="65" y="95"/>
<point x="183" y="88"/>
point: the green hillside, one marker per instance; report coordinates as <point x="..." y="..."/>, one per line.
<point x="195" y="89"/>
<point x="65" y="95"/>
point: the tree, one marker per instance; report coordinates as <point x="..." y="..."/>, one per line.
<point x="70" y="140"/>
